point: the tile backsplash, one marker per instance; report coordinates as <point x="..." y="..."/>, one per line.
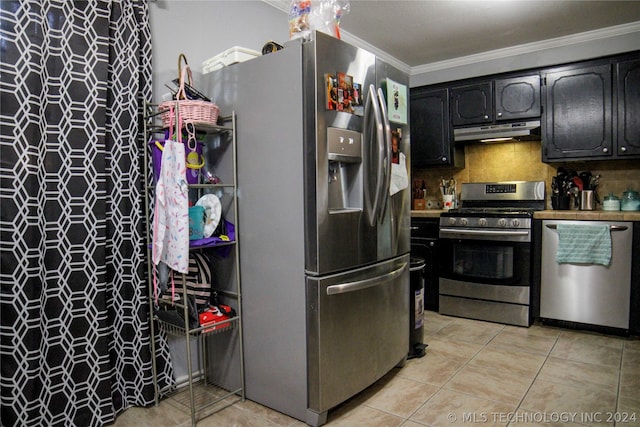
<point x="521" y="161"/>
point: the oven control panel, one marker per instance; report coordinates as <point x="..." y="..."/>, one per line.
<point x="500" y="188"/>
<point x="502" y="191"/>
<point x="485" y="228"/>
<point x="485" y="222"/>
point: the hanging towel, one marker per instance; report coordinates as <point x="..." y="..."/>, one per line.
<point x="584" y="244"/>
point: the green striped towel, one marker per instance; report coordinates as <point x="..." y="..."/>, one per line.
<point x="584" y="244"/>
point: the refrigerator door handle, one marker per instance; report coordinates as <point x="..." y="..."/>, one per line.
<point x="386" y="164"/>
<point x="366" y="283"/>
<point x="372" y="107"/>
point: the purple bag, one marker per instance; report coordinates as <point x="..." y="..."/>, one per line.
<point x="194" y="158"/>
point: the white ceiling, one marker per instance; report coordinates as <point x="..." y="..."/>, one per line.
<point x="420" y="32"/>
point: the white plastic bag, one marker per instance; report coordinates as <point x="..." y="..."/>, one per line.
<point x="306" y="16"/>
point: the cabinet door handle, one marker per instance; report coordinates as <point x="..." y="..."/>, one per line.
<point x="444" y="159"/>
<point x="623" y="149"/>
<point x="605" y="150"/>
<point x="499" y="115"/>
<point x="486" y="117"/>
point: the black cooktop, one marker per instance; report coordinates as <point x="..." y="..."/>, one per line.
<point x="520" y="208"/>
<point x="490" y="212"/>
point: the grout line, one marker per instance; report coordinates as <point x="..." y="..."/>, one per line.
<point x="440" y="387"/>
<point x="467" y="363"/>
<point x="546" y="359"/>
<point x="624" y="345"/>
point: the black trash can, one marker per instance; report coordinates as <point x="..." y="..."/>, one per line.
<point x="416" y="308"/>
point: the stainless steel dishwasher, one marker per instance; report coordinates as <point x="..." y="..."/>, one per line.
<point x="587" y="293"/>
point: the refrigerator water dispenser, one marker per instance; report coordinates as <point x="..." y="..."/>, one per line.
<point x="344" y="152"/>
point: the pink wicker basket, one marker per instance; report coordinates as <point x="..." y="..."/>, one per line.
<point x="195" y="111"/>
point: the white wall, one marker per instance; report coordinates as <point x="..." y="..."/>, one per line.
<point x="202" y="29"/>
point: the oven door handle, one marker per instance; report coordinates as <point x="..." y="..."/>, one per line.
<point x="485" y="232"/>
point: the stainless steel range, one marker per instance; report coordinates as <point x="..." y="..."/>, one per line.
<point x="485" y="270"/>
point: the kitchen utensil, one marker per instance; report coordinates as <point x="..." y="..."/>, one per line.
<point x="586" y="180"/>
<point x="447" y="186"/>
<point x="578" y="182"/>
<point x="576" y="196"/>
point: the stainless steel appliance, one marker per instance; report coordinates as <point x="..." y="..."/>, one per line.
<point x="523" y="131"/>
<point x="486" y="250"/>
<point x="587" y="294"/>
<point x="324" y="247"/>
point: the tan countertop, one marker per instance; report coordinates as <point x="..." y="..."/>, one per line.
<point x="426" y="213"/>
<point x="589" y="215"/>
<point x="550" y="214"/>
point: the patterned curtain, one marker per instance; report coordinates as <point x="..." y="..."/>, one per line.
<point x="74" y="337"/>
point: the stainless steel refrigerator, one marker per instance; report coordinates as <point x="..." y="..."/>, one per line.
<point x="324" y="245"/>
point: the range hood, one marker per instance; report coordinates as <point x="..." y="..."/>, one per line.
<point x="519" y="131"/>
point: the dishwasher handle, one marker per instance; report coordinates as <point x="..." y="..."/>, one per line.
<point x="611" y="227"/>
<point x="366" y="283"/>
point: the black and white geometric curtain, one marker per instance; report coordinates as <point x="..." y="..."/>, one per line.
<point x="74" y="337"/>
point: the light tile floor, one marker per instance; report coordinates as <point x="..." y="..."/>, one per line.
<point x="474" y="373"/>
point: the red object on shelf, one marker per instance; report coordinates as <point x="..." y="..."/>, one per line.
<point x="212" y="316"/>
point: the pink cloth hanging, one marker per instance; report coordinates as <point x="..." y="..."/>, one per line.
<point x="171" y="215"/>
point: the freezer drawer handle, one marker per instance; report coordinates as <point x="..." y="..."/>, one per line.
<point x="611" y="227"/>
<point x="367" y="283"/>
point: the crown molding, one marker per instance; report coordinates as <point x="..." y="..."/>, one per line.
<point x="588" y="36"/>
<point x="356" y="41"/>
<point x="527" y="48"/>
<point x="282" y="5"/>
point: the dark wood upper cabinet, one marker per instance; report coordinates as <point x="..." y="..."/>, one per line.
<point x="431" y="142"/>
<point x="472" y="104"/>
<point x="577" y="121"/>
<point x="628" y="103"/>
<point x="592" y="110"/>
<point x="493" y="101"/>
<point x="589" y="110"/>
<point x="517" y="97"/>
